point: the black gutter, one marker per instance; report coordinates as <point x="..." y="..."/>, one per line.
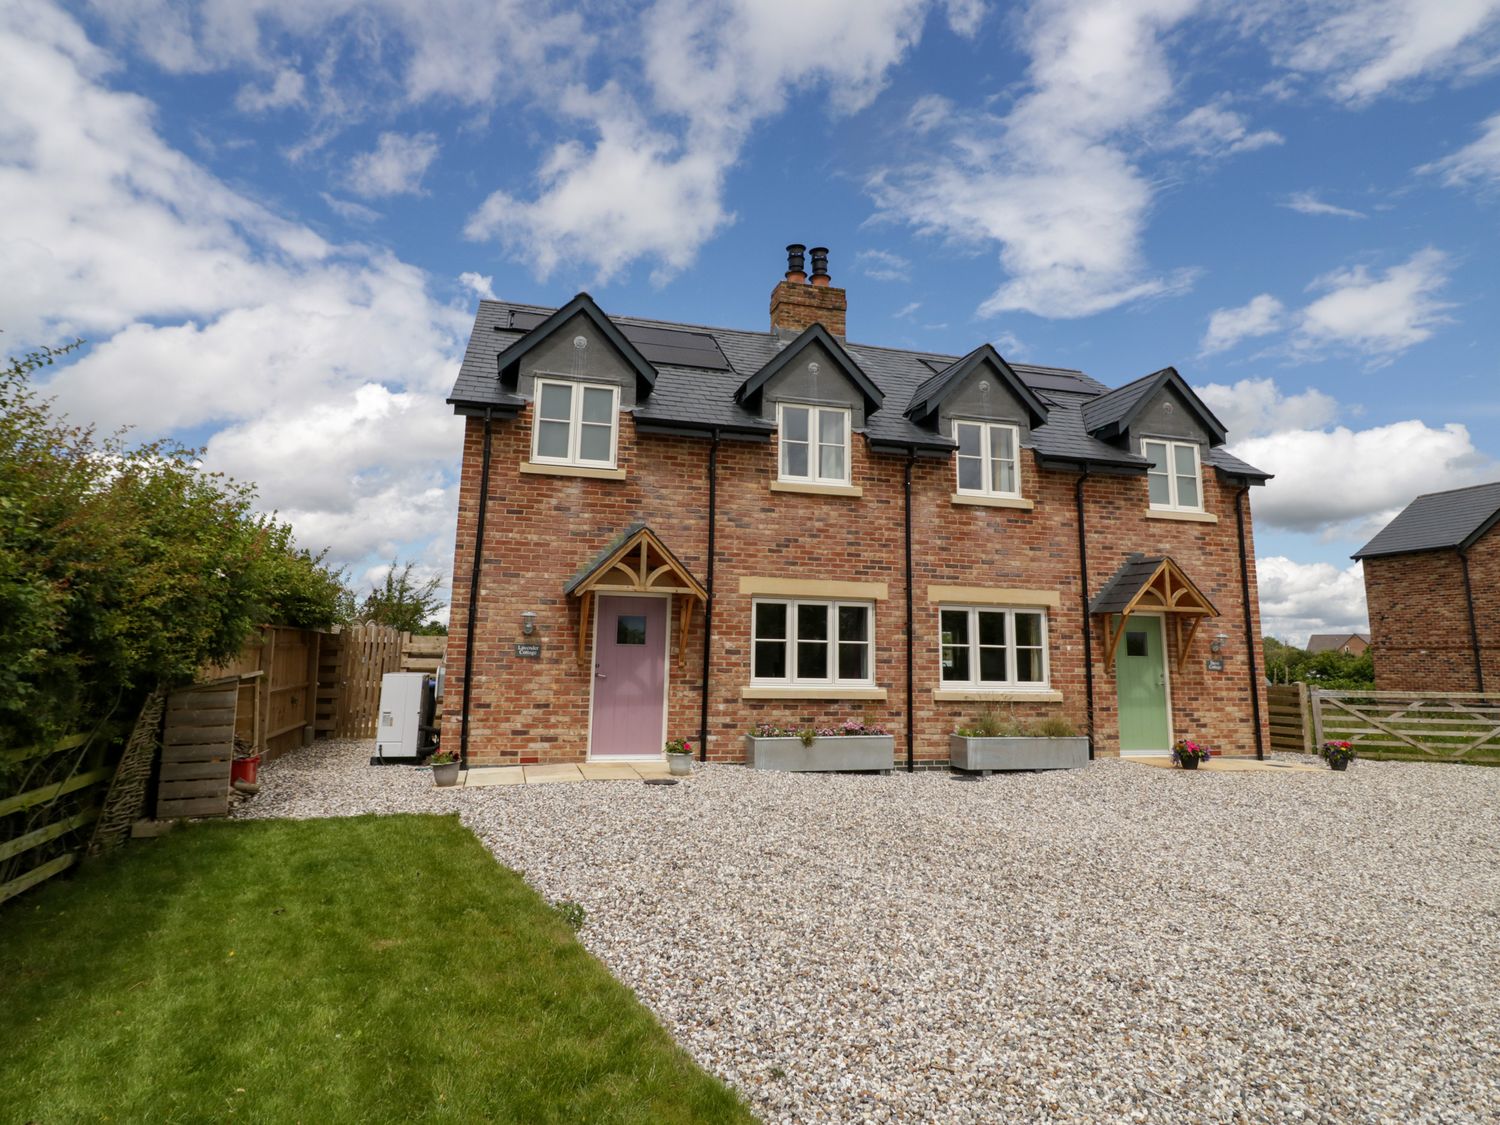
<point x="1088" y="625"/>
<point x="1463" y="559"/>
<point x="708" y="606"/>
<point x="911" y="724"/>
<point x="1255" y="674"/>
<point x="484" y="497"/>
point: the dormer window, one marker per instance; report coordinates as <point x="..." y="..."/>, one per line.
<point x="988" y="458"/>
<point x="814" y="444"/>
<point x="575" y="424"/>
<point x="1173" y="480"/>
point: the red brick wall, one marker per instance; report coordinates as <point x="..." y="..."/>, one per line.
<point x="798" y="305"/>
<point x="1419" y="619"/>
<point x="542" y="530"/>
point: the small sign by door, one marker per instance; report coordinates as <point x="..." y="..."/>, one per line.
<point x="528" y="651"/>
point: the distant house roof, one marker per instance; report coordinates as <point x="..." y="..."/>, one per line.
<point x="1438" y="521"/>
<point x="698" y="370"/>
<point x="1333" y="642"/>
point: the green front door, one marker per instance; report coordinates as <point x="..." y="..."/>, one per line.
<point x="1141" y="676"/>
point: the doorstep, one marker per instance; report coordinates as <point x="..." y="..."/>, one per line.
<point x="480" y="776"/>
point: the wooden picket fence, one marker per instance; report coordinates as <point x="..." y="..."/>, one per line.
<point x="352" y="661"/>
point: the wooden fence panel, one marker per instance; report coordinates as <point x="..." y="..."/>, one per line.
<point x="1441" y="726"/>
<point x="197" y="749"/>
<point x="422" y="654"/>
<point x="1291" y="727"/>
<point x="349" y="687"/>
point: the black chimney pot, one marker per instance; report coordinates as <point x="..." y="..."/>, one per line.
<point x="795" y="263"/>
<point x="820" y="261"/>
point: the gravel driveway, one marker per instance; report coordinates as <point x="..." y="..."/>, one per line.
<point x="1108" y="944"/>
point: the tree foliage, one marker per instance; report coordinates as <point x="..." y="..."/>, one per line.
<point x="122" y="566"/>
<point x="1333" y="671"/>
<point x="402" y="602"/>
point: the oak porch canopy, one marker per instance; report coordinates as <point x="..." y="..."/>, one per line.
<point x="636" y="562"/>
<point x="1155" y="585"/>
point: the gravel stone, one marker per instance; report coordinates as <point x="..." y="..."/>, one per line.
<point x="1106" y="944"/>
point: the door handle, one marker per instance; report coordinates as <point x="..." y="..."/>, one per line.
<point x="601" y="675"/>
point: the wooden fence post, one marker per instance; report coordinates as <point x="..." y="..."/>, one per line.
<point x="1317" y="714"/>
<point x="1308" y="746"/>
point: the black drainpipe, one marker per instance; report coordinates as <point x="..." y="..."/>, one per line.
<point x="1088" y="627"/>
<point x="911" y="722"/>
<point x="1255" y="674"/>
<point x="708" y="606"/>
<point x="1463" y="559"/>
<point x="484" y="497"/>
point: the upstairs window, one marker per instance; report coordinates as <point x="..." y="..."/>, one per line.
<point x="988" y="458"/>
<point x="576" y="424"/>
<point x="814" y="443"/>
<point x="994" y="648"/>
<point x="812" y="642"/>
<point x="1173" y="479"/>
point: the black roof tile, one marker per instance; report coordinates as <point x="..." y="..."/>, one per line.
<point x="1438" y="520"/>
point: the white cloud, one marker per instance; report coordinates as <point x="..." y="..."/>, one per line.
<point x="320" y="365"/>
<point x="1261" y="316"/>
<point x="1052" y="182"/>
<point x="1477" y="162"/>
<point x="1366" y="47"/>
<point x="907" y="310"/>
<point x="350" y="210"/>
<point x="1213" y="130"/>
<point x="928" y="112"/>
<point x="395" y="166"/>
<point x="881" y="265"/>
<point x="1258" y="407"/>
<point x="1307" y="203"/>
<point x="285" y="89"/>
<point x="482" y="285"/>
<point x="965" y="16"/>
<point x="1344" y="483"/>
<point x="1377" y="315"/>
<point x="1299" y="599"/>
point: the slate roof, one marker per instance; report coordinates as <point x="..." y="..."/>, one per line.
<point x="1438" y="521"/>
<point x="699" y="398"/>
<point x="928" y="397"/>
<point x="1125" y="583"/>
<point x="1113" y="412"/>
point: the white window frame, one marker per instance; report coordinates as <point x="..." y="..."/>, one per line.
<point x="575" y="424"/>
<point x="1010" y="683"/>
<point x="791" y="679"/>
<point x="1170" y="460"/>
<point x="814" y="414"/>
<point x="986" y="459"/>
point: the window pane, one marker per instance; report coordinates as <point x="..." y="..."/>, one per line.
<point x="1159" y="488"/>
<point x="968" y="437"/>
<point x="770" y="660"/>
<point x="630" y="630"/>
<point x="1156" y="453"/>
<point x="594" y="443"/>
<point x="552" y="439"/>
<point x="812" y="660"/>
<point x="1029" y="666"/>
<point x="955" y="627"/>
<point x="1186" y="464"/>
<point x="556" y="402"/>
<point x="793" y="459"/>
<point x="971" y="474"/>
<point x="794" y="423"/>
<point x="955" y="630"/>
<point x="854" y="623"/>
<point x="1003" y="443"/>
<point x="1004" y="475"/>
<point x="770" y="620"/>
<point x="991" y="628"/>
<point x="831" y="462"/>
<point x="992" y="664"/>
<point x="956" y="664"/>
<point x="812" y="622"/>
<point x="831" y="427"/>
<point x="852" y="661"/>
<point x="1187" y="491"/>
<point x="598" y="405"/>
<point x="1029" y="629"/>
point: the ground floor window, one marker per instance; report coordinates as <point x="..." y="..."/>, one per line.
<point x="813" y="642"/>
<point x="985" y="647"/>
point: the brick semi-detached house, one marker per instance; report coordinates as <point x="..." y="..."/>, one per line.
<point x="1432" y="584"/>
<point x="683" y="531"/>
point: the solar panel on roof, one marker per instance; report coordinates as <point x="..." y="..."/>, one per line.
<point x="660" y="345"/>
<point x="1047" y="381"/>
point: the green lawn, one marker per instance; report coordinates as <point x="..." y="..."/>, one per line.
<point x="375" y="969"/>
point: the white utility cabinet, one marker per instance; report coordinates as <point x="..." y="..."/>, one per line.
<point x="397" y="732"/>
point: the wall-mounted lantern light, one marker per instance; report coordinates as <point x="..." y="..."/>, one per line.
<point x="528" y="622"/>
<point x="1218" y="642"/>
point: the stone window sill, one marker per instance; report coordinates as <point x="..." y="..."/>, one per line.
<point x="974" y="695"/>
<point x="1183" y="517"/>
<point x="817" y="489"/>
<point x="830" y="692"/>
<point x="994" y="501"/>
<point x="571" y="471"/>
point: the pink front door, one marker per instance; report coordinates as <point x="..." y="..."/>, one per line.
<point x="630" y="678"/>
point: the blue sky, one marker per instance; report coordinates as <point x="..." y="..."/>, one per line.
<point x="271" y="220"/>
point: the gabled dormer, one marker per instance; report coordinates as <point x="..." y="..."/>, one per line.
<point x="580" y="343"/>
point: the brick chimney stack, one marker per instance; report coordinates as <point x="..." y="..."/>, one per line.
<point x="797" y="304"/>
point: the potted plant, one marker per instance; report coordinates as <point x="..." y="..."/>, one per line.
<point x="680" y="757"/>
<point x="444" y="765"/>
<point x="1187" y="753"/>
<point x="1338" y="754"/>
<point x="994" y="743"/>
<point x="852" y="746"/>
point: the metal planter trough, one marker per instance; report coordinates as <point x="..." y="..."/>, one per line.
<point x="832" y="754"/>
<point x="984" y="755"/>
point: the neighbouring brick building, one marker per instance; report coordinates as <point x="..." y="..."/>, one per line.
<point x="683" y="531"/>
<point x="1350" y="644"/>
<point x="1432" y="584"/>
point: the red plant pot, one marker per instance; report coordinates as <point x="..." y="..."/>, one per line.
<point x="244" y="769"/>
